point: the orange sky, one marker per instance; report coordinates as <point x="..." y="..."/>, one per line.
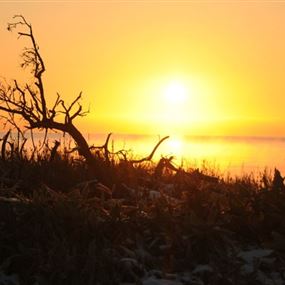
<point x="228" y="56"/>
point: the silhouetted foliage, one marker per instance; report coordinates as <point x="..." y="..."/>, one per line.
<point x="58" y="226"/>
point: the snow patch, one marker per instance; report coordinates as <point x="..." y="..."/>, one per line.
<point x="8" y="279"/>
<point x="251" y="255"/>
<point x="202" y="268"/>
<point x="154" y="281"/>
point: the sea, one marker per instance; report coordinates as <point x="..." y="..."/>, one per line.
<point x="219" y="155"/>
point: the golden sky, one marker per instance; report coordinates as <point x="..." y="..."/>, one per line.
<point x="160" y="67"/>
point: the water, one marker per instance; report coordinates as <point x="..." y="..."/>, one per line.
<point x="224" y="155"/>
<point x="233" y="155"/>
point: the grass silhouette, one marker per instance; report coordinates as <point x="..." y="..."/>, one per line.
<point x="59" y="225"/>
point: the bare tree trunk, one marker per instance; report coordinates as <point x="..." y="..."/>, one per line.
<point x="83" y="147"/>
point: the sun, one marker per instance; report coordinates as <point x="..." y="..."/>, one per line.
<point x="172" y="107"/>
<point x="175" y="92"/>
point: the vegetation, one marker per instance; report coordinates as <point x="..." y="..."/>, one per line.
<point x="103" y="218"/>
<point x="59" y="225"/>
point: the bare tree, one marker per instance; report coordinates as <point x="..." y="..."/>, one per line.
<point x="28" y="102"/>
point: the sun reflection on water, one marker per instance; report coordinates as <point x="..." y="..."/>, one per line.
<point x="234" y="155"/>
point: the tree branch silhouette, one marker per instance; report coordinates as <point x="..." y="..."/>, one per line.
<point x="28" y="102"/>
<point x="150" y="156"/>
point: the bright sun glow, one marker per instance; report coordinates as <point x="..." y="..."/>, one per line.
<point x="175" y="92"/>
<point x="175" y="145"/>
<point x="186" y="104"/>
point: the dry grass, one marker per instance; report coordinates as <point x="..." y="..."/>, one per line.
<point x="59" y="225"/>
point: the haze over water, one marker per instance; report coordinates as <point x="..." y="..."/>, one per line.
<point x="225" y="154"/>
<point x="222" y="155"/>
